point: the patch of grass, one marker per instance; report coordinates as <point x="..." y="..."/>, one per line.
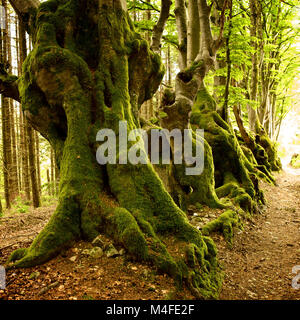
<point x="20" y="205"/>
<point x="48" y="200"/>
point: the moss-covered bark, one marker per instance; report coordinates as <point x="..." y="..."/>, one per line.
<point x="236" y="177"/>
<point x="88" y="70"/>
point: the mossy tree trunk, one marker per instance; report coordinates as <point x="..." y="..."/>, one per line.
<point x="89" y="70"/>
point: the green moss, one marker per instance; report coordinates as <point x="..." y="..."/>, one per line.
<point x="50" y="5"/>
<point x="224" y="223"/>
<point x="17" y="254"/>
<point x="203" y="101"/>
<point x="130" y="234"/>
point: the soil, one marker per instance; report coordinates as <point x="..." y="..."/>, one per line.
<point x="257" y="266"/>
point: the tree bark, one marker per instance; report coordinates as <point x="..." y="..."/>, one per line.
<point x="38" y="165"/>
<point x="160" y="25"/>
<point x="32" y="167"/>
<point x="6" y="151"/>
<point x="23" y="121"/>
<point x="6" y="130"/>
<point x="252" y="110"/>
<point x="14" y="165"/>
<point x="193" y="32"/>
<point x="181" y="22"/>
<point x="225" y="111"/>
<point x="52" y="178"/>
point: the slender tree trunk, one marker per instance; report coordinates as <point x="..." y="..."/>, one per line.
<point x="169" y="66"/>
<point x="52" y="170"/>
<point x="14" y="165"/>
<point x="181" y="22"/>
<point x="15" y="180"/>
<point x="6" y="130"/>
<point x="56" y="180"/>
<point x="193" y="32"/>
<point x="23" y="121"/>
<point x="252" y="110"/>
<point x="49" y="183"/>
<point x="6" y="151"/>
<point x="32" y="167"/>
<point x="38" y="166"/>
<point x="225" y="111"/>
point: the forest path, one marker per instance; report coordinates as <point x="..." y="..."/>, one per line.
<point x="260" y="263"/>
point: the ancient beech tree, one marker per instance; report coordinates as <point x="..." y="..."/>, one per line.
<point x="89" y="70"/>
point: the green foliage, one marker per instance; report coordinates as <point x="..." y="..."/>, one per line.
<point x="224" y="223"/>
<point x="295" y="162"/>
<point x="20" y="205"/>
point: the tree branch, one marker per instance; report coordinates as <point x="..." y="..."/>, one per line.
<point x="219" y="40"/>
<point x="160" y="25"/>
<point x="181" y="22"/>
<point x="206" y="51"/>
<point x="23" y="7"/>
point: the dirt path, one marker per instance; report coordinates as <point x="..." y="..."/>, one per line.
<point x="258" y="266"/>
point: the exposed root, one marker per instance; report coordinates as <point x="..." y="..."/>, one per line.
<point x="61" y="230"/>
<point x="224" y="223"/>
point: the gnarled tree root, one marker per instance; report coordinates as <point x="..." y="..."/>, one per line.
<point x="194" y="264"/>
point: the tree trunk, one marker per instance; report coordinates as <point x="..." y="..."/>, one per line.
<point x="193" y="32"/>
<point x="15" y="178"/>
<point x="224" y="110"/>
<point x="49" y="183"/>
<point x="6" y="151"/>
<point x="23" y="121"/>
<point x="6" y="130"/>
<point x="32" y="167"/>
<point x="252" y="110"/>
<point x="38" y="166"/>
<point x="181" y="22"/>
<point x="52" y="178"/>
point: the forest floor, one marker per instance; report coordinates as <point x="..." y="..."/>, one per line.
<point x="258" y="266"/>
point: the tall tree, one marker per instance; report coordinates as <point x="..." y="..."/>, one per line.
<point x="38" y="165"/>
<point x="32" y="166"/>
<point x="6" y="130"/>
<point x="14" y="166"/>
<point x="23" y="121"/>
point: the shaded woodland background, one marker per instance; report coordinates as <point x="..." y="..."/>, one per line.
<point x="29" y="175"/>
